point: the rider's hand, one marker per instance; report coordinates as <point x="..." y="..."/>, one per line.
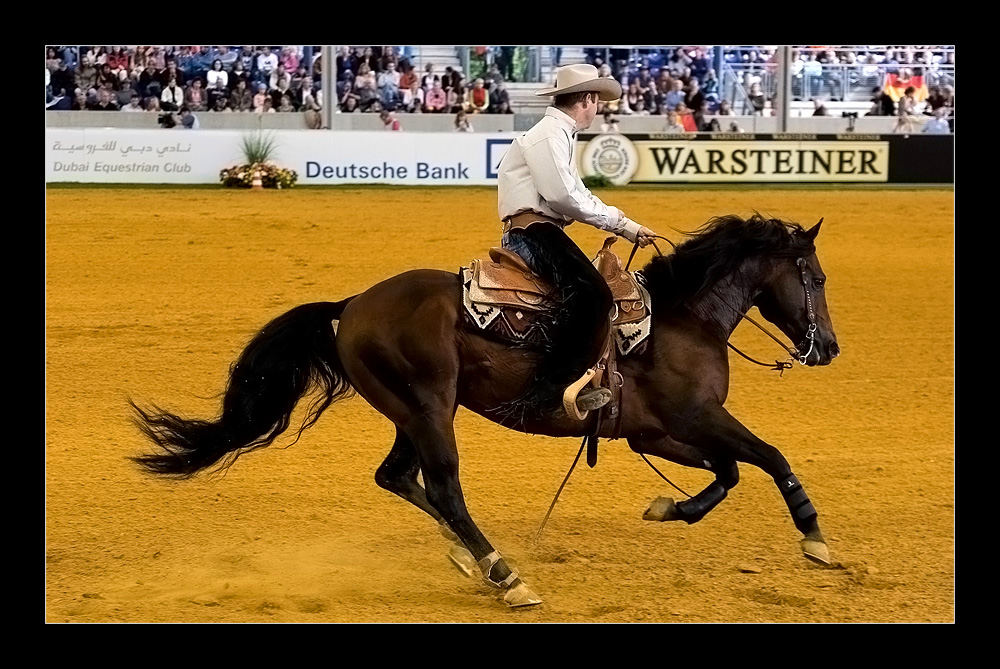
<point x="645" y="236"/>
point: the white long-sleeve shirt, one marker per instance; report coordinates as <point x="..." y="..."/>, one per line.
<point x="538" y="173"/>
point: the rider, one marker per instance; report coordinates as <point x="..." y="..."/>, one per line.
<point x="540" y="193"/>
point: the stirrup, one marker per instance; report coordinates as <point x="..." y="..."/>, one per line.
<point x="571" y="393"/>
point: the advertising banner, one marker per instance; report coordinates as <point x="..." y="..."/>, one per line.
<point x="648" y="159"/>
<point x="113" y="155"/>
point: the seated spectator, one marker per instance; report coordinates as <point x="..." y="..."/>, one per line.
<point x="454" y="104"/>
<point x="413" y="97"/>
<point x="755" y="100"/>
<point x="247" y="59"/>
<point x="300" y="77"/>
<point x="408" y="78"/>
<point x="239" y="73"/>
<point x="725" y="109"/>
<point x="477" y="98"/>
<point x="675" y="95"/>
<point x="195" y="97"/>
<point x="286" y="104"/>
<point x="674" y="124"/>
<point x="268" y="107"/>
<point x="938" y="124"/>
<point x="184" y="60"/>
<point x="216" y="92"/>
<point x="217" y="73"/>
<point x="312" y="108"/>
<point x="365" y="88"/>
<point x="171" y="71"/>
<point x="105" y="102"/>
<point x="389" y="122"/>
<point x="153" y="104"/>
<point x="387" y="83"/>
<point x="135" y="103"/>
<point x="227" y="57"/>
<point x="172" y="96"/>
<point x="499" y="99"/>
<point x="124" y="94"/>
<point x="462" y="123"/>
<point x="427" y="81"/>
<point x="267" y="63"/>
<point x="289" y="58"/>
<point x="85" y="75"/>
<point x="120" y="60"/>
<point x="241" y="100"/>
<point x="79" y="101"/>
<point x="686" y="118"/>
<point x="62" y="77"/>
<point x="436" y="99"/>
<point x="281" y="88"/>
<point x="350" y="104"/>
<point x="148" y="84"/>
<point x="260" y="98"/>
<point x="694" y="97"/>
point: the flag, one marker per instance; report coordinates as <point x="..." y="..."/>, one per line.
<point x="895" y="86"/>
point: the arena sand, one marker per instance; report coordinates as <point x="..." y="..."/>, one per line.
<point x="152" y="293"/>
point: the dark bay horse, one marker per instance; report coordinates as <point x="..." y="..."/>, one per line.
<point x="402" y="346"/>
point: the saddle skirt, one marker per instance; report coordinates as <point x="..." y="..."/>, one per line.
<point x="504" y="297"/>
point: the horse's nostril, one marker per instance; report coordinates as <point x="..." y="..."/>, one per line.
<point x="834" y="349"/>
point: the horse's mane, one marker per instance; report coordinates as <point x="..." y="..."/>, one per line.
<point x="717" y="249"/>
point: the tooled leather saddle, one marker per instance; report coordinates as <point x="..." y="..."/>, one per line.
<point x="504" y="299"/>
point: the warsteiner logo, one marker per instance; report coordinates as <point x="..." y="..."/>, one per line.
<point x="611" y="156"/>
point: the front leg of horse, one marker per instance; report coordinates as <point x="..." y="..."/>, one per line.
<point x="719" y="431"/>
<point x="691" y="510"/>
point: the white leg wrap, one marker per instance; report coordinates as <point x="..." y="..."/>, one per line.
<point x="486" y="566"/>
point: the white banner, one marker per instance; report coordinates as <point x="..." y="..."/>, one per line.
<point x="120" y="155"/>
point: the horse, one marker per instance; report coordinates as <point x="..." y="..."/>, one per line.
<point x="402" y="346"/>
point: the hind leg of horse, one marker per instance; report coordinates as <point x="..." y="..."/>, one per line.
<point x="717" y="430"/>
<point x="434" y="438"/>
<point x="398" y="474"/>
<point x="727" y="475"/>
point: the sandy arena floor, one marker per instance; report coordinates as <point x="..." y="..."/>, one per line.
<point x="152" y="293"/>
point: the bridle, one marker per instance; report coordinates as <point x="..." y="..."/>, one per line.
<point x="779" y="365"/>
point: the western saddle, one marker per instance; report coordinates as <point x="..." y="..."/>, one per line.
<point x="504" y="297"/>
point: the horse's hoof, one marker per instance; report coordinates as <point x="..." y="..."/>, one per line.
<point x="521" y="595"/>
<point x="660" y="509"/>
<point x="462" y="558"/>
<point x="816" y="551"/>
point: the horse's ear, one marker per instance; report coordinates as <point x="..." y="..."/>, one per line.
<point x="813" y="231"/>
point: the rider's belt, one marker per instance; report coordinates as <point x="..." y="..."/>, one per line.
<point x="526" y="218"/>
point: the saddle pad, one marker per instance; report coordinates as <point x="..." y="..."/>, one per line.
<point x="510" y="315"/>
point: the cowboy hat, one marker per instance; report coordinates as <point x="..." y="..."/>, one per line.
<point x="583" y="78"/>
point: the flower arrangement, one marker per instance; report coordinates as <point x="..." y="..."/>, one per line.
<point x="257" y="151"/>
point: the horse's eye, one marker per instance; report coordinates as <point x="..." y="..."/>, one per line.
<point x="819" y="281"/>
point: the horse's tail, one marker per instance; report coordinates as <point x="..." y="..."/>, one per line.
<point x="291" y="354"/>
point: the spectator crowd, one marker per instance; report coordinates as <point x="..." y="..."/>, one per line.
<point x="678" y="83"/>
<point x="380" y="79"/>
<point x="681" y="84"/>
<point x="183" y="79"/>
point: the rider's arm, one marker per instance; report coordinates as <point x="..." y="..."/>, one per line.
<point x="557" y="182"/>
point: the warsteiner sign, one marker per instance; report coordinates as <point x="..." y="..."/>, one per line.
<point x="760" y="160"/>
